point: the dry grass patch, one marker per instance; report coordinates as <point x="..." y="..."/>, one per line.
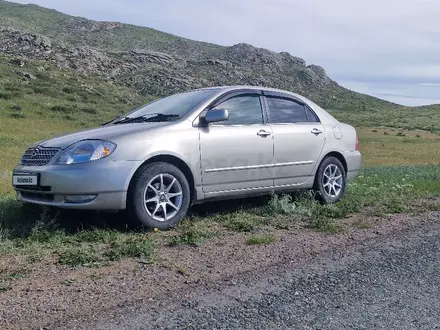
<point x="398" y="147"/>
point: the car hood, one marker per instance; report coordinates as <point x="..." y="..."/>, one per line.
<point x="105" y="133"/>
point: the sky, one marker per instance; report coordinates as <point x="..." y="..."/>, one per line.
<point x="386" y="48"/>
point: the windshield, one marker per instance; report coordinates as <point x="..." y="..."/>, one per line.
<point x="171" y="108"/>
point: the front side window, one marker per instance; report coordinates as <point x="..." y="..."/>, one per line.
<point x="285" y="111"/>
<point x="243" y="110"/>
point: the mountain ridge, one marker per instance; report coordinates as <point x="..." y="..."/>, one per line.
<point x="156" y="63"/>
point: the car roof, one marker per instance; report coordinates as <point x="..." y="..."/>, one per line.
<point x="260" y="88"/>
<point x="224" y="89"/>
<point x="322" y="113"/>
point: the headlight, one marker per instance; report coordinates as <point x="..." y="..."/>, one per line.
<point x="86" y="151"/>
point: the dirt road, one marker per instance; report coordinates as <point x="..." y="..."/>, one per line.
<point x="385" y="276"/>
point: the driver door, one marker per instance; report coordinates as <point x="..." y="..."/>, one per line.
<point x="237" y="154"/>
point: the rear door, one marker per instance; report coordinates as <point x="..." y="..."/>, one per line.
<point x="298" y="138"/>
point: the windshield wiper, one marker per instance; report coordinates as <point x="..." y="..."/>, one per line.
<point x="155" y="117"/>
<point x="114" y="119"/>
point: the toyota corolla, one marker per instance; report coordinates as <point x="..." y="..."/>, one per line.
<point x="187" y="148"/>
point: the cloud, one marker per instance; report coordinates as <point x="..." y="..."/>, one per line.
<point x="362" y="40"/>
<point x="399" y="92"/>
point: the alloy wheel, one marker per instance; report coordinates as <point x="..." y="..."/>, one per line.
<point x="332" y="180"/>
<point x="163" y="197"/>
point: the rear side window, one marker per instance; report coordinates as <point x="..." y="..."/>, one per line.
<point x="284" y="111"/>
<point x="311" y="117"/>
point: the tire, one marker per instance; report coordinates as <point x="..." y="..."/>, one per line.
<point x="146" y="198"/>
<point x="332" y="193"/>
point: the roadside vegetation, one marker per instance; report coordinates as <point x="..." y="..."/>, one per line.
<point x="75" y="239"/>
<point x="260" y="239"/>
<point x="40" y="101"/>
<point x="424" y="118"/>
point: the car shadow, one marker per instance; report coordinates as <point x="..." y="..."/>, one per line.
<point x="213" y="208"/>
<point x="20" y="220"/>
<point x="75" y="221"/>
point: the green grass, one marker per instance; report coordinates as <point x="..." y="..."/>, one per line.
<point x="17" y="275"/>
<point x="406" y="148"/>
<point x="240" y="221"/>
<point x="386" y="189"/>
<point x="59" y="101"/>
<point x="260" y="240"/>
<point x="76" y="257"/>
<point x="193" y="232"/>
<point x="38" y="233"/>
<point x="86" y="239"/>
<point x="134" y="247"/>
<point x="399" y="117"/>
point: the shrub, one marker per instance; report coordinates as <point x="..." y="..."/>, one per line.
<point x="17" y="115"/>
<point x="264" y="239"/>
<point x="76" y="257"/>
<point x="134" y="247"/>
<point x="89" y="110"/>
<point x="195" y="233"/>
<point x="5" y="95"/>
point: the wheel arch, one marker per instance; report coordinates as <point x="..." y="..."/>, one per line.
<point x="338" y="156"/>
<point x="174" y="160"/>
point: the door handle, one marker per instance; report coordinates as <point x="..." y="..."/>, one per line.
<point x="263" y="133"/>
<point x="316" y="131"/>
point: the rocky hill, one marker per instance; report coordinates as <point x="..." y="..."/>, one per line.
<point x="154" y="63"/>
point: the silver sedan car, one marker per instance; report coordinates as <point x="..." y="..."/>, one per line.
<point x="187" y="148"/>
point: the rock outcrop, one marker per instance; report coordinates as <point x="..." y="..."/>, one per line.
<point x="176" y="64"/>
<point x="76" y="24"/>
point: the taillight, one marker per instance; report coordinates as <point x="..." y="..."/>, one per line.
<point x="356" y="146"/>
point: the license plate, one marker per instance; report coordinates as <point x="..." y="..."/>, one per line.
<point x="25" y="180"/>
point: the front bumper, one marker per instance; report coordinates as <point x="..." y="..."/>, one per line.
<point x="106" y="180"/>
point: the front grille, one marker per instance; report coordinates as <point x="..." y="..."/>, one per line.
<point x="37" y="197"/>
<point x="38" y="156"/>
<point x="34" y="188"/>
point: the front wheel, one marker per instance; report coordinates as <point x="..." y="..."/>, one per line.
<point x="330" y="181"/>
<point x="159" y="196"/>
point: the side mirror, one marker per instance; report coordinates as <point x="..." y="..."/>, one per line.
<point x="216" y="115"/>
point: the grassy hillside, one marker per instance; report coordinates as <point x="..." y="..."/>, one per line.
<point x="156" y="63"/>
<point x="151" y="62"/>
<point x="53" y="103"/>
<point x="60" y="73"/>
<point x="76" y="30"/>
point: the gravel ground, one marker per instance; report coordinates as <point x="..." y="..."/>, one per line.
<point x="385" y="276"/>
<point x="390" y="282"/>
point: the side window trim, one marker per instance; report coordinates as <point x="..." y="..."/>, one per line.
<point x="283" y="97"/>
<point x="317" y="120"/>
<point x="224" y="97"/>
<point x="227" y="96"/>
<point x="290" y="98"/>
<point x="265" y="110"/>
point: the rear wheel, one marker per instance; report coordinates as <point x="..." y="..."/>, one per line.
<point x="159" y="196"/>
<point x="330" y="181"/>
